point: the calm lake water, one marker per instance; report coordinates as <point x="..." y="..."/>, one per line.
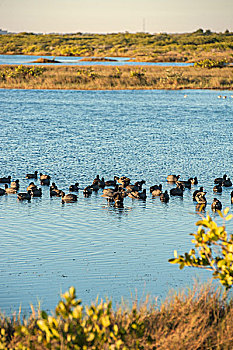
<point x="70" y="61"/>
<point x="74" y="135"/>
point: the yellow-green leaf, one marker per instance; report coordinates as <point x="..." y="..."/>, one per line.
<point x="91" y="337"/>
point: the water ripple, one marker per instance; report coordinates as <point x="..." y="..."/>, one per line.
<point x="73" y="135"/>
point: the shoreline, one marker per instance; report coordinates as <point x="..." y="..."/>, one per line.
<point x="144" y="325"/>
<point x="125" y="77"/>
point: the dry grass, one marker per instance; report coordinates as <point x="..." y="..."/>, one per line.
<point x="124" y="77"/>
<point x="196" y="320"/>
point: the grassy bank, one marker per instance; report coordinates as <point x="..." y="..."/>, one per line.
<point x="198" y="319"/>
<point x="114" y="78"/>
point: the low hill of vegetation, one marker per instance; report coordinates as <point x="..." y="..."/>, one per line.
<point x="142" y="46"/>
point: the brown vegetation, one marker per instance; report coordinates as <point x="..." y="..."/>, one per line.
<point x="117" y="78"/>
<point x="97" y="59"/>
<point x="198" y="319"/>
<point x="45" y="60"/>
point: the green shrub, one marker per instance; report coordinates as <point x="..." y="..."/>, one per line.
<point x="72" y="327"/>
<point x="214" y="250"/>
<point x="138" y="73"/>
<point x="21" y="72"/>
<point x="117" y="73"/>
<point x="208" y="63"/>
<point x="87" y="73"/>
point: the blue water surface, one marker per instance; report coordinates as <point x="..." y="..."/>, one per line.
<point x="101" y="250"/>
<point x="70" y="61"/>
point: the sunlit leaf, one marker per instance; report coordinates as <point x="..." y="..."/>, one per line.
<point x="229" y="217"/>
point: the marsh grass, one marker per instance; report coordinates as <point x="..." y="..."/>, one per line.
<point x="199" y="318"/>
<point x="117" y="78"/>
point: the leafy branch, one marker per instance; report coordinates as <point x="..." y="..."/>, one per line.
<point x="214" y="249"/>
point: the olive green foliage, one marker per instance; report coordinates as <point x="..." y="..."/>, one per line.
<point x="21" y="72"/>
<point x="116" y="74"/>
<point x="208" y="63"/>
<point x="87" y="73"/>
<point x="143" y="46"/>
<point x="138" y="73"/>
<point x="75" y="327"/>
<point x="214" y="249"/>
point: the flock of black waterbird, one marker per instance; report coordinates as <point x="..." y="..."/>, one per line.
<point x="117" y="189"/>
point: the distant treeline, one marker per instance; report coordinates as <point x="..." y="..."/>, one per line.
<point x="143" y="46"/>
